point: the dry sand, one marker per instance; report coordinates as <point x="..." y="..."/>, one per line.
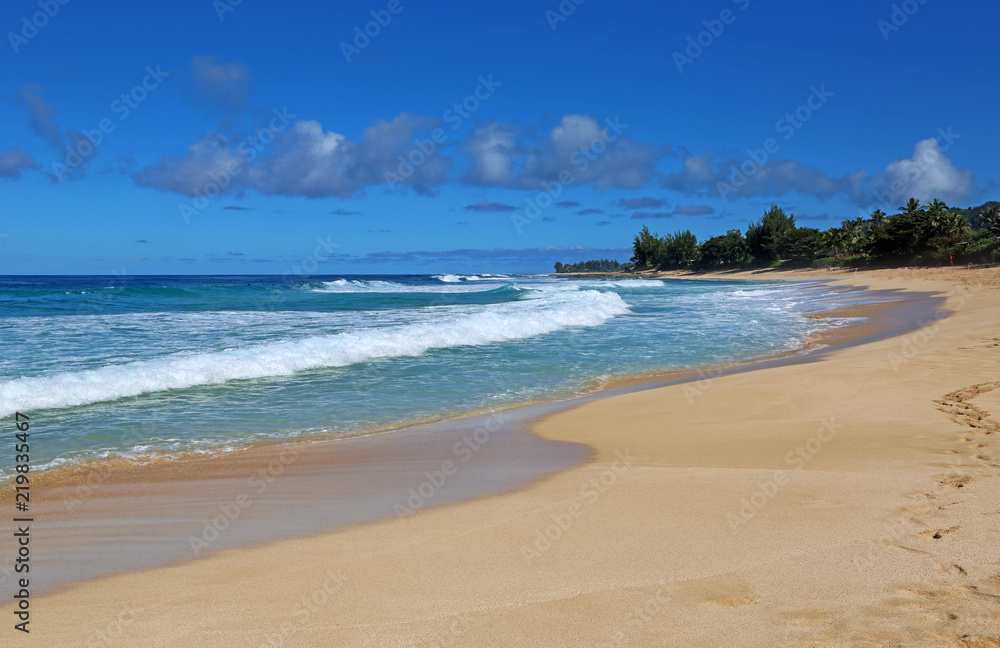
<point x="849" y="502"/>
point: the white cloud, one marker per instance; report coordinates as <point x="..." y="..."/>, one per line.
<point x="595" y="153"/>
<point x="729" y="176"/>
<point x="208" y="162"/>
<point x="308" y="160"/>
<point x="304" y="160"/>
<point x="492" y="150"/>
<point x="312" y="162"/>
<point x="927" y="174"/>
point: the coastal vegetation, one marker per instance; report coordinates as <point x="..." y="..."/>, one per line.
<point x="600" y="265"/>
<point x="929" y="234"/>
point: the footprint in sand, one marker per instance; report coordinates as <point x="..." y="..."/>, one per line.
<point x="950" y="593"/>
<point x="964" y="413"/>
<point x="953" y="481"/>
<point x="937" y="534"/>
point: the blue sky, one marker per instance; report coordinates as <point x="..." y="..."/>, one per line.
<point x="247" y="142"/>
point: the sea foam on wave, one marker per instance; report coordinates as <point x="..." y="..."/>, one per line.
<point x="375" y="286"/>
<point x="454" y="278"/>
<point x="546" y="312"/>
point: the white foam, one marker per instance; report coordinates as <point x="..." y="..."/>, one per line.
<point x="370" y="286"/>
<point x="760" y="292"/>
<point x="635" y="283"/>
<point x="351" y="285"/>
<point x="454" y="278"/>
<point x="547" y="312"/>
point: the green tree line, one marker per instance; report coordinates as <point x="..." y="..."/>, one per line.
<point x="929" y="234"/>
<point x="600" y="265"/>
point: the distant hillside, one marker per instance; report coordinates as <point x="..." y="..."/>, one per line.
<point x="972" y="214"/>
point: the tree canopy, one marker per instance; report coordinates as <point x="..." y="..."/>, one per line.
<point x="931" y="233"/>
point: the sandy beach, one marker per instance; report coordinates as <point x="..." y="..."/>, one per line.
<point x="851" y="501"/>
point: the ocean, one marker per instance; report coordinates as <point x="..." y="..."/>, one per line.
<point x="144" y="367"/>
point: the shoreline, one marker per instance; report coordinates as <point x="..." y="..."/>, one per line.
<point x="126" y="468"/>
<point x="188" y="487"/>
<point x="595" y="564"/>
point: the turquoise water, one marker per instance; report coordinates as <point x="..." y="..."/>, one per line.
<point x="137" y="366"/>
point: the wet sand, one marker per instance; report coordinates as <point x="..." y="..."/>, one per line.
<point x="109" y="518"/>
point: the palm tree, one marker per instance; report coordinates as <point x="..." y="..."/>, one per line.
<point x="936" y="207"/>
<point x="862" y="232"/>
<point x="875" y="228"/>
<point x="833" y="238"/>
<point x="854" y="233"/>
<point x="912" y="206"/>
<point x="991" y="217"/>
<point x="948" y="224"/>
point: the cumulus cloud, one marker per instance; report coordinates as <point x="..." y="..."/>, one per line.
<point x="307" y="159"/>
<point x="927" y="174"/>
<point x="340" y="211"/>
<point x="487" y="206"/>
<point x="207" y="161"/>
<point x="594" y="153"/>
<point x="224" y="85"/>
<point x="590" y="210"/>
<point x="304" y="160"/>
<point x="310" y="161"/>
<point x="728" y="176"/>
<point x="698" y="175"/>
<point x="14" y="161"/>
<point x="492" y="148"/>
